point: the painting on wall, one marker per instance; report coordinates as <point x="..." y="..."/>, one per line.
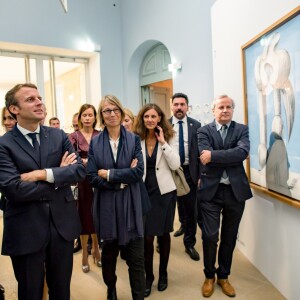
<point x="271" y="69"/>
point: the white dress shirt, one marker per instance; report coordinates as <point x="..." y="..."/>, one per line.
<point x="185" y="137"/>
<point x="49" y="172"/>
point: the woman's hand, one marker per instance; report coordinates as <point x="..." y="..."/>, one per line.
<point x="160" y="137"/>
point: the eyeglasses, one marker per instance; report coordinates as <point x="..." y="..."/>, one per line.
<point x="108" y="112"/>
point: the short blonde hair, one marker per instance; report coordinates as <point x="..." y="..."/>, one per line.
<point x="129" y="113"/>
<point x="113" y="100"/>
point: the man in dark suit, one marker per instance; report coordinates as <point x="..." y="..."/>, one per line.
<point x="223" y="146"/>
<point x="37" y="166"/>
<point x="186" y="140"/>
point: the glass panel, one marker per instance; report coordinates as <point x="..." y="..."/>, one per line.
<point x="48" y="99"/>
<point x="70" y="91"/>
<point x="32" y="68"/>
<point x="70" y="84"/>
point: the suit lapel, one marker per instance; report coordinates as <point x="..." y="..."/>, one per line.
<point x="144" y="150"/>
<point x="143" y="144"/>
<point x="24" y="143"/>
<point x="44" y="146"/>
<point x="159" y="154"/>
<point x="229" y="134"/>
<point x="217" y="134"/>
<point x="190" y="128"/>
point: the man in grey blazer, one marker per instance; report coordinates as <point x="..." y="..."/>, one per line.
<point x="37" y="166"/>
<point x="224" y="187"/>
<point x="187" y="205"/>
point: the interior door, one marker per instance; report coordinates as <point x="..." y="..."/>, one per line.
<point x="161" y="97"/>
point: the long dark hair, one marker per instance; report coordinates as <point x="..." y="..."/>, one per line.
<point x="140" y="128"/>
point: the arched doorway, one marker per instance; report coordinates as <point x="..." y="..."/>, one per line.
<point x="155" y="79"/>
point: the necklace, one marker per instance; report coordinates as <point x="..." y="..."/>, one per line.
<point x="151" y="143"/>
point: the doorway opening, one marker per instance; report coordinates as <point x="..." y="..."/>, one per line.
<point x="155" y="79"/>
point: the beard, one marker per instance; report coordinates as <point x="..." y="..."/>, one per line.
<point x="179" y="114"/>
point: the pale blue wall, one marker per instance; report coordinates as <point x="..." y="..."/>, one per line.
<point x="125" y="32"/>
<point x="43" y="22"/>
<point x="184" y="28"/>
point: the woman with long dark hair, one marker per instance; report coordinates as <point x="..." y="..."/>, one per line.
<point x="159" y="158"/>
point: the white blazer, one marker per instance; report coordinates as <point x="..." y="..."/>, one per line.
<point x="167" y="158"/>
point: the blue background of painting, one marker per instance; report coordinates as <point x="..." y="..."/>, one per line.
<point x="290" y="41"/>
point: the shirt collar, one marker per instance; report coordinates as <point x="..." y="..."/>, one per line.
<point x="25" y="131"/>
<point x="175" y="120"/>
<point x="219" y="126"/>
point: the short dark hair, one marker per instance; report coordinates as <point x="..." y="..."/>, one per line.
<point x="181" y="95"/>
<point x="53" y="119"/>
<point x="10" y="95"/>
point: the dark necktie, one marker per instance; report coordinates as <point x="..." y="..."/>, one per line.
<point x="35" y="145"/>
<point x="181" y="143"/>
<point x="223" y="132"/>
<point x="223" y="135"/>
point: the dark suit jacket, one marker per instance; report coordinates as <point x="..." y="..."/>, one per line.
<point x="29" y="204"/>
<point x="193" y="125"/>
<point x="229" y="157"/>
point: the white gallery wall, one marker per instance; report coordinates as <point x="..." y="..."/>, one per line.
<point x="269" y="232"/>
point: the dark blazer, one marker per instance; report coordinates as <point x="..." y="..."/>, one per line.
<point x="28" y="207"/>
<point x="229" y="157"/>
<point x="193" y="126"/>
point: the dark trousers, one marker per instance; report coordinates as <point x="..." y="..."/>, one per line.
<point x="187" y="210"/>
<point x="226" y="204"/>
<point x="135" y="263"/>
<point x="56" y="259"/>
<point x="164" y="242"/>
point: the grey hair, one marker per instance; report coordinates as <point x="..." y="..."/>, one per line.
<point x="222" y="97"/>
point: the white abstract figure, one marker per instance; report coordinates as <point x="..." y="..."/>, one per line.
<point x="272" y="68"/>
